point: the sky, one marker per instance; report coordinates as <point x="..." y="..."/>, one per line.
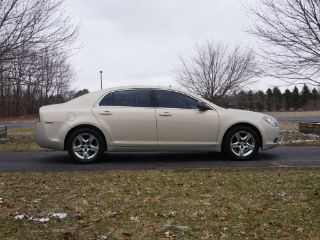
<point x="137" y="42"/>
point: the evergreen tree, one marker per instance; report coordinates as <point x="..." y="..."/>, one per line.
<point x="260" y="101"/>
<point x="277" y="98"/>
<point x="287" y="99"/>
<point x="269" y="99"/>
<point x="315" y="98"/>
<point x="295" y="98"/>
<point x="305" y="95"/>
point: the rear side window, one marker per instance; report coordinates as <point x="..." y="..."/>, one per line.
<point x="107" y="100"/>
<point x="169" y="99"/>
<point x="127" y="98"/>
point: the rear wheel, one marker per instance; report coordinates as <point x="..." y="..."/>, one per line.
<point x="242" y="143"/>
<point x="86" y="145"/>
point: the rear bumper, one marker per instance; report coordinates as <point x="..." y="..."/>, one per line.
<point x="42" y="133"/>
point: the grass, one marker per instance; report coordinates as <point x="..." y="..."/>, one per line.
<point x="20" y="139"/>
<point x="197" y="204"/>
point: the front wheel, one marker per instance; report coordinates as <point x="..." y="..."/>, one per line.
<point x="86" y="145"/>
<point x="242" y="143"/>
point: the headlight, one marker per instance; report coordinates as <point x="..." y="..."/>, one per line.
<point x="272" y="121"/>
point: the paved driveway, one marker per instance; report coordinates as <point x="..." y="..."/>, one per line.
<point x="59" y="161"/>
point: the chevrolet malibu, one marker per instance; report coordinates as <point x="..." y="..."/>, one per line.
<point x="151" y="119"/>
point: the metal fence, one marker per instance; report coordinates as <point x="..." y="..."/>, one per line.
<point x="3" y="133"/>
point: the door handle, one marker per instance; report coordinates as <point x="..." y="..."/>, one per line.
<point x="165" y="114"/>
<point x="105" y="113"/>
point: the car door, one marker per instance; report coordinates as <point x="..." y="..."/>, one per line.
<point x="181" y="123"/>
<point x="128" y="117"/>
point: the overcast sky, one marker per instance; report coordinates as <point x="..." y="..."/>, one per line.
<point x="140" y="41"/>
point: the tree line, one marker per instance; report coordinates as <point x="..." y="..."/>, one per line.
<point x="36" y="40"/>
<point x="274" y="100"/>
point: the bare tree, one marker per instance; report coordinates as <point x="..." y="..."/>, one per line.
<point x="290" y="31"/>
<point x="217" y="70"/>
<point x="35" y="44"/>
<point x="33" y="25"/>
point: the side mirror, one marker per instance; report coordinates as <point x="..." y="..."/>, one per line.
<point x="203" y="107"/>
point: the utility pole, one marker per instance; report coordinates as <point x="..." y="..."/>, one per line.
<point x="101" y="78"/>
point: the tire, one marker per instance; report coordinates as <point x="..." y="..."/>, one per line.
<point x="86" y="145"/>
<point x="241" y="143"/>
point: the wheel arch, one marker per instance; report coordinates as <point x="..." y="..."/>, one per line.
<point x="79" y="127"/>
<point x="243" y="124"/>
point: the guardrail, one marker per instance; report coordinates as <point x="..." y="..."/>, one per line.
<point x="3" y="133"/>
<point x="309" y="128"/>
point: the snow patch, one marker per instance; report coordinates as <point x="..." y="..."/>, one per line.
<point x="20" y="216"/>
<point x="59" y="215"/>
<point x="41" y="220"/>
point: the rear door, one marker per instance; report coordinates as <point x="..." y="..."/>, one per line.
<point x="128" y="116"/>
<point x="180" y="123"/>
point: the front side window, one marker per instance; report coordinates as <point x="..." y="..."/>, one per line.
<point x="127" y="98"/>
<point x="170" y="99"/>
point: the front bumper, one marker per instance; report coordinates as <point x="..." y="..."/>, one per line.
<point x="271" y="138"/>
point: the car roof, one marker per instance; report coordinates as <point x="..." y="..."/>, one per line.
<point x="143" y="87"/>
<point x="91" y="98"/>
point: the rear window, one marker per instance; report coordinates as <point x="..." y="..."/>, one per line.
<point x="127" y="98"/>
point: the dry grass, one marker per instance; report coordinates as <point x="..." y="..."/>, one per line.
<point x="33" y="117"/>
<point x="20" y="140"/>
<point x="199" y="204"/>
<point x="290" y="135"/>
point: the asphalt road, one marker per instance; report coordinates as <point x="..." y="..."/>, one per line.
<point x="59" y="161"/>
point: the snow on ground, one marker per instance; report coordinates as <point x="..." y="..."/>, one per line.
<point x="59" y="215"/>
<point x="42" y="219"/>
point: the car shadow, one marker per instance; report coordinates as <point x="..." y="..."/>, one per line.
<point x="126" y="161"/>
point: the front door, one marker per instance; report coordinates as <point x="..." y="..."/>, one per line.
<point x="180" y="123"/>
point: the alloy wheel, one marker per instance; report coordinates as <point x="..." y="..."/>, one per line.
<point x="242" y="144"/>
<point x="85" y="146"/>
